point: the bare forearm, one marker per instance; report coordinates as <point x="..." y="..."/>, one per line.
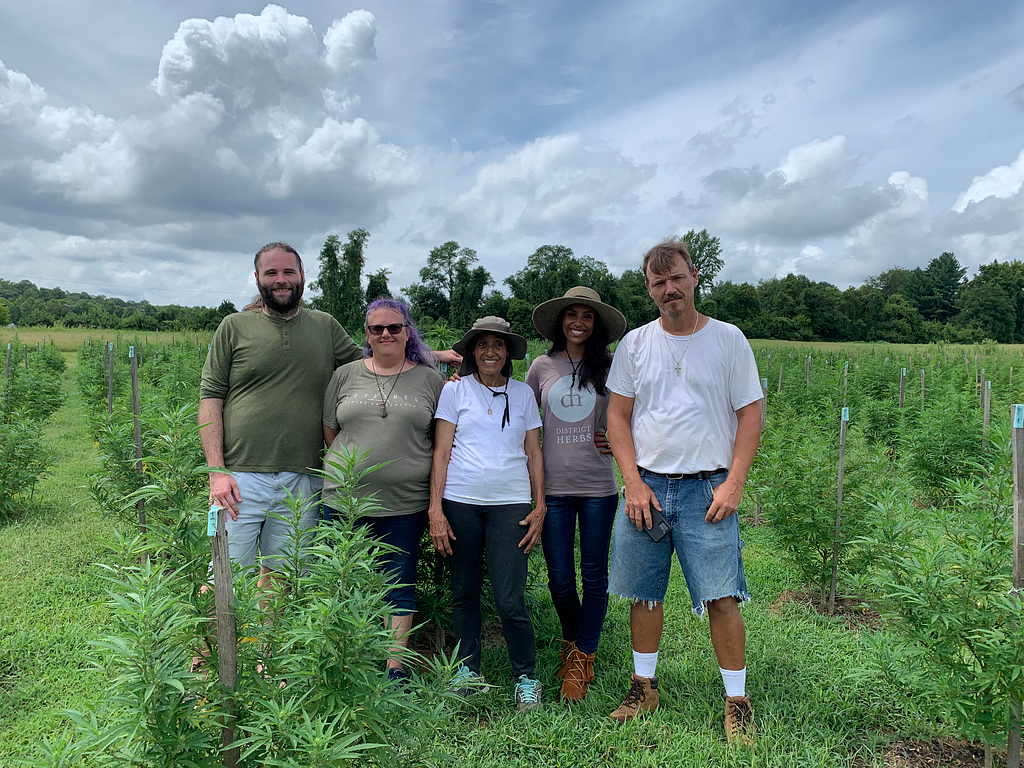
<point x="211" y="430"/>
<point x="748" y="437"/>
<point x="620" y="438"/>
<point x="535" y="466"/>
<point x="438" y="479"/>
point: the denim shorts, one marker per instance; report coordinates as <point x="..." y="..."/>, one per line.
<point x="257" y="532"/>
<point x="708" y="553"/>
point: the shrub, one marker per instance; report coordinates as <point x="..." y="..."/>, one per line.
<point x="22" y="460"/>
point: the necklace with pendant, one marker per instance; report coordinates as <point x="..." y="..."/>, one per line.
<point x="505" y="418"/>
<point x="380" y="388"/>
<point x="679" y="361"/>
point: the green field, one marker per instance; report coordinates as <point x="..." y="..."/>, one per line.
<point x="820" y="698"/>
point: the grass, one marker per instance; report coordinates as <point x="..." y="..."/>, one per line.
<point x="49" y="593"/>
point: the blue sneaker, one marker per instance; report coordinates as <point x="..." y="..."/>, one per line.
<point x="466" y="682"/>
<point x="398" y="679"/>
<point x="527" y="693"/>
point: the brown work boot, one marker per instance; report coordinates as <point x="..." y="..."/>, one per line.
<point x="642" y="697"/>
<point x="739" y="720"/>
<point x="568" y="646"/>
<point x="578" y="676"/>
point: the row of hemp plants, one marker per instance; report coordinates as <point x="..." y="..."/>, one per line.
<point x="926" y="533"/>
<point x="32" y="392"/>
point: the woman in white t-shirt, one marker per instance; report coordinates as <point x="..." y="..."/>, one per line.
<point x="487" y="463"/>
<point x="579" y="476"/>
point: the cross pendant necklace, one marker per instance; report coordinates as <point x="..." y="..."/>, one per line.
<point x="679" y="362"/>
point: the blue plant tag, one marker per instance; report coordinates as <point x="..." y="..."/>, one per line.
<point x="846" y="414"/>
<point x="904" y="371"/>
<point x="211" y="520"/>
<point x="131" y="352"/>
<point x="1018" y="416"/>
<point x="764" y="383"/>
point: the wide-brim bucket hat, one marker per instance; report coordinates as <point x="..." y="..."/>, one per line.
<point x="517" y="345"/>
<point x="547" y="313"/>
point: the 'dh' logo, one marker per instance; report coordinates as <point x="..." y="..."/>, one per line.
<point x="571" y="404"/>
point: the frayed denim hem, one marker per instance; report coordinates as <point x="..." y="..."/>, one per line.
<point x="701" y="611"/>
<point x="633" y="600"/>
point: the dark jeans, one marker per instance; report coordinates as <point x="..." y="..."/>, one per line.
<point x="494" y="531"/>
<point x="580" y="622"/>
<point x="403" y="532"/>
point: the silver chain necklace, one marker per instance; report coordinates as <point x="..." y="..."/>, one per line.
<point x="380" y="388"/>
<point x="679" y="362"/>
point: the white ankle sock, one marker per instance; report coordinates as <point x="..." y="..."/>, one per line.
<point x="645" y="664"/>
<point x="735" y="681"/>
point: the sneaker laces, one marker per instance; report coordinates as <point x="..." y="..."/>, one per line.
<point x="528" y="689"/>
<point x="636" y="693"/>
<point x="742" y="712"/>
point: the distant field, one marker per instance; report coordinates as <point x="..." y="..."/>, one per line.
<point x="70" y="339"/>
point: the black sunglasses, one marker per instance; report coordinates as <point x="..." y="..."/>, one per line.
<point x="393" y="328"/>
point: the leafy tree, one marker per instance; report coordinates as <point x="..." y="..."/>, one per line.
<point x="494" y="304"/>
<point x="340" y="279"/>
<point x="633" y="300"/>
<point x="378" y="285"/>
<point x="448" y="288"/>
<point x="553" y="269"/>
<point x="902" y="323"/>
<point x="5" y="313"/>
<point x="705" y="251"/>
<point x="986" y="307"/>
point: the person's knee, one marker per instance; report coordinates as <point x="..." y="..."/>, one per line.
<point x="723" y="609"/>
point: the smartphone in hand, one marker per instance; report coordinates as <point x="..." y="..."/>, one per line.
<point x="659" y="528"/>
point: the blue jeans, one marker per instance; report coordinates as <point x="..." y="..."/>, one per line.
<point x="708" y="553"/>
<point x="403" y="532"/>
<point x="581" y="622"/>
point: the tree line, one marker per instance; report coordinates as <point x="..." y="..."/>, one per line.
<point x="936" y="303"/>
<point x="912" y="306"/>
<point x="25" y="304"/>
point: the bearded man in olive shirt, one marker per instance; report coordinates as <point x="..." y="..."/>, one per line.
<point x="260" y="401"/>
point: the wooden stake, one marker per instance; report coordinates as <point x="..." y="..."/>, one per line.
<point x="26" y="356"/>
<point x="764" y="403"/>
<point x="975" y="370"/>
<point x="1013" y="747"/>
<point x="986" y="396"/>
<point x="846" y="373"/>
<point x="839" y="512"/>
<point x="110" y="380"/>
<point x="780" y="380"/>
<point x="981" y="389"/>
<point x="136" y="411"/>
<point x="227" y="641"/>
<point x="7" y="370"/>
<point x="922" y="390"/>
<point x="903" y="386"/>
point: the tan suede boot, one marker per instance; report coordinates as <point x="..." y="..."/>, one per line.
<point x="568" y="646"/>
<point x="739" y="720"/>
<point x="578" y="676"/>
<point x="642" y="697"/>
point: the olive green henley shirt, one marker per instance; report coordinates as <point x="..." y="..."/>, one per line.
<point x="271" y="374"/>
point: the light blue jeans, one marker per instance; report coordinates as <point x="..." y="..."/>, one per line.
<point x="257" y="530"/>
<point x="708" y="553"/>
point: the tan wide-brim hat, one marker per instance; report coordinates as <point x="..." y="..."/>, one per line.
<point x="517" y="345"/>
<point x="546" y="314"/>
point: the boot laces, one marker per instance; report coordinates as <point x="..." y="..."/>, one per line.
<point x="636" y="693"/>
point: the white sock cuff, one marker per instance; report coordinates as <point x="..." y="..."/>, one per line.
<point x="735" y="681"/>
<point x="645" y="664"/>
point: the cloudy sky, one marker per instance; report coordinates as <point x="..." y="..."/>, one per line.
<point x="147" y="149"/>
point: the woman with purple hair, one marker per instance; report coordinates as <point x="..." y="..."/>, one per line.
<point x="385" y="404"/>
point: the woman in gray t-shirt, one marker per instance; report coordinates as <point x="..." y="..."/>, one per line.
<point x="385" y="404"/>
<point x="569" y="382"/>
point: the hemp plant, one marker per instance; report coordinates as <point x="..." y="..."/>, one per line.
<point x="943" y="580"/>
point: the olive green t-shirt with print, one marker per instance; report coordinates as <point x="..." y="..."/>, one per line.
<point x="271" y="374"/>
<point x="405" y="437"/>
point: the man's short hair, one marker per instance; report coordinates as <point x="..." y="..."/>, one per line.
<point x="662" y="256"/>
<point x="276" y="247"/>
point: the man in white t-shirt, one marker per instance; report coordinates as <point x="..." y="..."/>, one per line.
<point x="684" y="421"/>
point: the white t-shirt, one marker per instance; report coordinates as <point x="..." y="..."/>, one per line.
<point x="685" y="423"/>
<point x="488" y="463"/>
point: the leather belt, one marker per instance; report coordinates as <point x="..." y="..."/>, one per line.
<point x="705" y="475"/>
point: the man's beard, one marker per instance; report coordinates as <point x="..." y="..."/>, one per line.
<point x="271" y="303"/>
